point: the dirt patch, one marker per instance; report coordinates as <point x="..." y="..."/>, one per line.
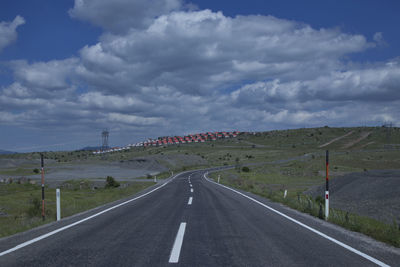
<point x="352" y="143"/>
<point x="14" y="163"/>
<point x="367" y="144"/>
<point x="374" y="194"/>
<point x="124" y="169"/>
<point x="336" y="139"/>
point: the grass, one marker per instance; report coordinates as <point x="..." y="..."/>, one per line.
<point x="19" y="202"/>
<point x="17" y="171"/>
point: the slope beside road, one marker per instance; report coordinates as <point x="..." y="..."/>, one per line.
<point x="191" y="221"/>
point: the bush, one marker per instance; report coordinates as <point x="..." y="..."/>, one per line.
<point x="36" y="170"/>
<point x="320" y="200"/>
<point x="245" y="169"/>
<point x="110" y="182"/>
<point x="35" y="209"/>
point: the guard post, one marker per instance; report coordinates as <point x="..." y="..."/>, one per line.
<point x="327" y="187"/>
<point x="58" y="204"/>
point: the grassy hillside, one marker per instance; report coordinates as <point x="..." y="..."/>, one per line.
<point x="354" y="149"/>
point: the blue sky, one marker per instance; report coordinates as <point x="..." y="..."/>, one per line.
<point x="50" y="25"/>
<point x="71" y="68"/>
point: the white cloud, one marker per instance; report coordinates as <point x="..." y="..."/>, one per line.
<point x="49" y="75"/>
<point x="9" y="117"/>
<point x="133" y="119"/>
<point x="96" y="100"/>
<point x="196" y="52"/>
<point x="378" y="38"/>
<point x="121" y="15"/>
<point x="380" y="83"/>
<point x="8" y="31"/>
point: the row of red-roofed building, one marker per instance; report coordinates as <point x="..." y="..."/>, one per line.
<point x="191" y="138"/>
<point x="175" y="140"/>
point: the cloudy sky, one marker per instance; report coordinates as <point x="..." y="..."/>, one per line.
<point x="148" y="68"/>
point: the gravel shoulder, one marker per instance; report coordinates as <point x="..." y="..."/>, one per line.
<point x="372" y="193"/>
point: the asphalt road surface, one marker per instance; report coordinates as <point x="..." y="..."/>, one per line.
<point x="192" y="221"/>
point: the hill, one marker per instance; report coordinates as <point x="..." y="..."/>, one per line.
<point x="5" y="152"/>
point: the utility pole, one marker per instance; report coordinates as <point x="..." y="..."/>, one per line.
<point x="43" y="208"/>
<point x="327" y="187"/>
<point x="104" y="143"/>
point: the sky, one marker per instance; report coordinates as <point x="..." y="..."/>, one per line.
<point x="149" y="68"/>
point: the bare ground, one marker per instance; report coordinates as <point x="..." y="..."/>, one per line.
<point x="362" y="137"/>
<point x="372" y="193"/>
<point x="335" y="139"/>
<point x="124" y="169"/>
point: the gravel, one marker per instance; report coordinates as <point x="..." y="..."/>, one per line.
<point x="375" y="194"/>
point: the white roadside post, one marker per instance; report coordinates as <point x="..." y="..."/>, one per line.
<point x="155" y="178"/>
<point x="58" y="204"/>
<point x="285" y="194"/>
<point x="219" y="176"/>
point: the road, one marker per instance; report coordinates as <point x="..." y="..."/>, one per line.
<point x="192" y="221"/>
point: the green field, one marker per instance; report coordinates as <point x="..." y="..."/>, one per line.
<point x="20" y="204"/>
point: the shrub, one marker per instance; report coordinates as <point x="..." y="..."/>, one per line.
<point x="36" y="170"/>
<point x="110" y="182"/>
<point x="245" y="169"/>
<point x="35" y="209"/>
<point x="320" y="200"/>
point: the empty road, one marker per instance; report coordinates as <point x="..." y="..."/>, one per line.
<point x="192" y="221"/>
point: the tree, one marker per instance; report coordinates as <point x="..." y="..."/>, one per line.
<point x="110" y="182"/>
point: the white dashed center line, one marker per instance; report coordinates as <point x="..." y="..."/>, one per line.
<point x="176" y="249"/>
<point x="190" y="201"/>
<point x="191" y="190"/>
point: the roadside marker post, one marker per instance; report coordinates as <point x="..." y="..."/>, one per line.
<point x="43" y="208"/>
<point x="155" y="178"/>
<point x="327" y="187"/>
<point x="219" y="176"/>
<point x="285" y="193"/>
<point x="58" y="204"/>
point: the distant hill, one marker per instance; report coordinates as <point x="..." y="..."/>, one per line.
<point x="92" y="148"/>
<point x="4" y="152"/>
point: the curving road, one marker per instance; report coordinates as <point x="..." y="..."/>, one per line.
<point x="192" y="221"/>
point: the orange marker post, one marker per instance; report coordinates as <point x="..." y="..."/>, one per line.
<point x="43" y="208"/>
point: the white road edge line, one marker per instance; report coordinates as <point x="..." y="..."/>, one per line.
<point x="191" y="190"/>
<point x="372" y="259"/>
<point x="176" y="249"/>
<point x="27" y="243"/>
<point x="190" y="200"/>
<point x="190" y="185"/>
